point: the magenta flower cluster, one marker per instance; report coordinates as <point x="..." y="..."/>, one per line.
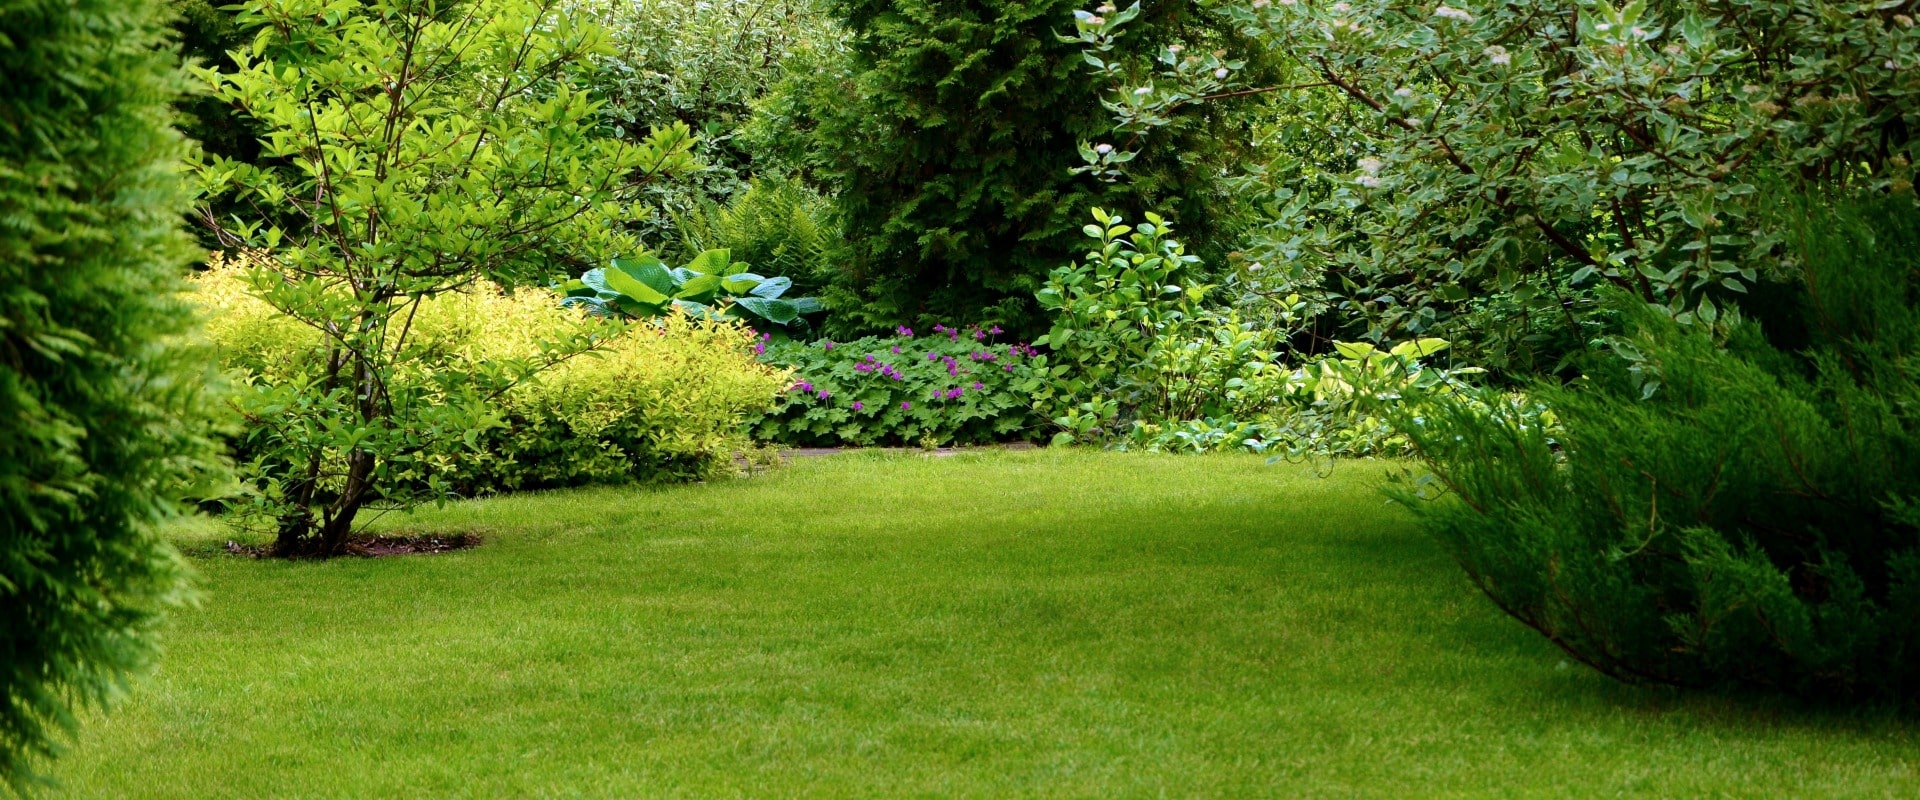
<point x="874" y="364"/>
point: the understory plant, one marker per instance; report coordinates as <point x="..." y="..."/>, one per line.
<point x="409" y="148"/>
<point x="664" y="400"/>
<point x="949" y="386"/>
<point x="1139" y="358"/>
<point x="1725" y="506"/>
<point x="711" y="285"/>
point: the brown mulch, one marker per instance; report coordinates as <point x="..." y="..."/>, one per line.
<point x="377" y="546"/>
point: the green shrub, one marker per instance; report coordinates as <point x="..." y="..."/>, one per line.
<point x="102" y="403"/>
<point x="1139" y="359"/>
<point x="1494" y="162"/>
<point x="668" y="399"/>
<point x="953" y="386"/>
<point x="947" y="138"/>
<point x="1709" y="515"/>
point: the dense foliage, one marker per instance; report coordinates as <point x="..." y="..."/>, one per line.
<point x="385" y="125"/>
<point x="948" y="138"/>
<point x="1708" y="515"/>
<point x="701" y="64"/>
<point x="1140" y="357"/>
<point x="950" y="386"/>
<point x="660" y="400"/>
<point x="1498" y="160"/>
<point x="102" y="401"/>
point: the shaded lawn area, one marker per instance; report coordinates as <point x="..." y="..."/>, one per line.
<point x="1044" y="624"/>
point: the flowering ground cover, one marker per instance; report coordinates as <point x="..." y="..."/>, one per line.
<point x="1052" y="623"/>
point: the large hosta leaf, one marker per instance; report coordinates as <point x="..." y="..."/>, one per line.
<point x="778" y="312"/>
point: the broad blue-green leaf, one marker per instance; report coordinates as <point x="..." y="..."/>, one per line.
<point x="778" y="312"/>
<point x="772" y="288"/>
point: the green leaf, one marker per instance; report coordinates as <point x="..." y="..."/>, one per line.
<point x="700" y="288"/>
<point x="630" y="286"/>
<point x="772" y="288"/>
<point x="778" y="312"/>
<point x="713" y="262"/>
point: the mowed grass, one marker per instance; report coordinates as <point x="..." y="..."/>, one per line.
<point x="1045" y="624"/>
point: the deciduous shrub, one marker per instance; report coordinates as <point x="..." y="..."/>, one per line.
<point x="1495" y="161"/>
<point x="949" y="386"/>
<point x="1711" y="515"/>
<point x="667" y="399"/>
<point x="103" y="423"/>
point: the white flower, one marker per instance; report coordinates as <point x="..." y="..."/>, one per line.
<point x="1096" y="20"/>
<point x="1369" y="165"/>
<point x="1368" y="181"/>
<point x="1143" y="91"/>
<point x="1449" y="12"/>
<point x="1499" y="56"/>
<point x="1603" y="27"/>
<point x="1412" y="122"/>
<point x="1106" y="8"/>
<point x="1220" y="73"/>
<point x="1103" y="149"/>
<point x="1403" y="92"/>
<point x="1260" y="3"/>
<point x="1341" y="8"/>
<point x="1174" y="48"/>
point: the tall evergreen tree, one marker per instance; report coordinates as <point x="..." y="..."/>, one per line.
<point x="951" y="136"/>
<point x="98" y="393"/>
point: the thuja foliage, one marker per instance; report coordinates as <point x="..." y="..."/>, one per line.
<point x="101" y="423"/>
<point x="1709" y="515"/>
<point x="949" y="139"/>
<point x="417" y="146"/>
<point x="1496" y="161"/>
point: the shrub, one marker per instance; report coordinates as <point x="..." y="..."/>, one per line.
<point x="103" y="424"/>
<point x="948" y="137"/>
<point x="1139" y="359"/>
<point x="713" y="284"/>
<point x="1496" y="161"/>
<point x="1707" y="515"/>
<point x="953" y="386"/>
<point x="663" y="400"/>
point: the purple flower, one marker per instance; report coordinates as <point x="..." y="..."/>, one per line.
<point x="979" y="335"/>
<point x="996" y="330"/>
<point x="904" y="331"/>
<point x="906" y="406"/>
<point x="932" y="356"/>
<point x="827" y="345"/>
<point x="1007" y="367"/>
<point x="896" y="349"/>
<point x="857" y="405"/>
<point x="977" y="386"/>
<point x="759" y="348"/>
<point x="804" y="386"/>
<point x="955" y="392"/>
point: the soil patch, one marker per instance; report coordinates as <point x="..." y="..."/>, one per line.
<point x="378" y="546"/>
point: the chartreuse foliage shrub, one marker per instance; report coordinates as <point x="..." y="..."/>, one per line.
<point x="1138" y="357"/>
<point x="950" y="386"/>
<point x="103" y="403"/>
<point x="409" y="148"/>
<point x="1495" y="162"/>
<point x="1710" y="515"/>
<point x="668" y="399"/>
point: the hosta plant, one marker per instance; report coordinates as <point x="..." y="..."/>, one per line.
<point x="711" y="285"/>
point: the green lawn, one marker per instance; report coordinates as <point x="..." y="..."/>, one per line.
<point x="1046" y="624"/>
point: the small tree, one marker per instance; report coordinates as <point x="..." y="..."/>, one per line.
<point x="102" y="424"/>
<point x="422" y="145"/>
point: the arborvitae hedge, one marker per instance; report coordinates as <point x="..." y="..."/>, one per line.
<point x="949" y="138"/>
<point x="98" y="391"/>
<point x="1719" y="513"/>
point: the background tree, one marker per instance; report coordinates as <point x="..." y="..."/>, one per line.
<point x="101" y="400"/>
<point x="948" y="138"/>
<point x="422" y="146"/>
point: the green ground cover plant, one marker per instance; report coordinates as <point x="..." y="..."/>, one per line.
<point x="1046" y="624"/>
<point x="943" y="387"/>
